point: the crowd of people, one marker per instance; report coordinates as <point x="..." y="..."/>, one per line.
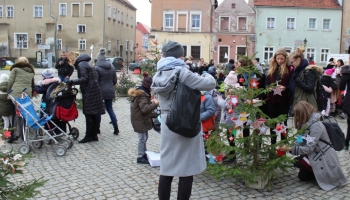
<point x="183" y="157"/>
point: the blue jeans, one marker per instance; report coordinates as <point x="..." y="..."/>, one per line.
<point x="141" y="146"/>
<point x="63" y="79"/>
<point x="109" y="109"/>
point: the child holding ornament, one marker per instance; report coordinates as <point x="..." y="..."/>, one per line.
<point x="318" y="159"/>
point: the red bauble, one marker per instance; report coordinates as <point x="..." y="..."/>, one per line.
<point x="230" y="111"/>
<point x="7" y="134"/>
<point x="278" y="127"/>
<point x="241" y="80"/>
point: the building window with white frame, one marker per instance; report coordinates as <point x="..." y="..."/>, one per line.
<point x="127" y="20"/>
<point x="324" y="55"/>
<point x="145" y="41"/>
<point x="168" y="22"/>
<point x="119" y="16"/>
<point x="270" y="23"/>
<point x="81" y="28"/>
<point x="242" y="23"/>
<point x="196" y="22"/>
<point x="312" y="23"/>
<point x="114" y="14"/>
<point x="122" y="17"/>
<point x="288" y="49"/>
<point x="88" y="10"/>
<point x="109" y="10"/>
<point x="75" y="9"/>
<point x="38" y="11"/>
<point x="326" y="24"/>
<point x="224" y="23"/>
<point x="131" y="46"/>
<point x="59" y="27"/>
<point x="310" y="53"/>
<point x="82" y="44"/>
<point x="10" y="11"/>
<point x="59" y="44"/>
<point x="37" y="38"/>
<point x="196" y="52"/>
<point x="21" y="41"/>
<point x="117" y="46"/>
<point x="268" y="53"/>
<point x="62" y="9"/>
<point x="223" y="54"/>
<point x="291" y="23"/>
<point x="0" y="11"/>
<point x="109" y="46"/>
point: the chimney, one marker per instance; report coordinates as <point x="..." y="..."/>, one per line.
<point x="251" y="3"/>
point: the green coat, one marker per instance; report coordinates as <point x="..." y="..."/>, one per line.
<point x="5" y="103"/>
<point x="21" y="76"/>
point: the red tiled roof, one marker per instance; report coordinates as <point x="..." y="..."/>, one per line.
<point x="143" y="28"/>
<point x="299" y="3"/>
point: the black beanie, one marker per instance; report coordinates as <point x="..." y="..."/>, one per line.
<point x="172" y="49"/>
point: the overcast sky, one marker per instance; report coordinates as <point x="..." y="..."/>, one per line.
<point x="143" y="13"/>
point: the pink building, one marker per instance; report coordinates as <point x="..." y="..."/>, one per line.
<point x="142" y="34"/>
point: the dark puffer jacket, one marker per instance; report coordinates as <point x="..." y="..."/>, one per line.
<point x="106" y="78"/>
<point x="5" y="103"/>
<point x="141" y="110"/>
<point x="91" y="93"/>
<point x="345" y="80"/>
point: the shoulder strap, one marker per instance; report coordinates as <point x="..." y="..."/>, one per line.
<point x="328" y="143"/>
<point x="175" y="88"/>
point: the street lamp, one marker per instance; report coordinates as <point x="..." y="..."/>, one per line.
<point x="305" y="42"/>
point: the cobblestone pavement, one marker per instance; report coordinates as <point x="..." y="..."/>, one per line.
<point x="108" y="170"/>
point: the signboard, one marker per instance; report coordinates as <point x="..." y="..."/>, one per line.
<point x="40" y="46"/>
<point x="49" y="60"/>
<point x="344" y="57"/>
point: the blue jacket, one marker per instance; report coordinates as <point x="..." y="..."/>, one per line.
<point x="208" y="107"/>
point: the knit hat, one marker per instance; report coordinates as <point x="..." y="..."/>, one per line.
<point x="147" y="80"/>
<point x="172" y="49"/>
<point x="231" y="78"/>
<point x="47" y="73"/>
<point x="329" y="71"/>
<point x="4" y="78"/>
<point x="101" y="55"/>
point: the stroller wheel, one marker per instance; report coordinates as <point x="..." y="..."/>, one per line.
<point x="24" y="149"/>
<point x="74" y="132"/>
<point x="61" y="150"/>
<point x="37" y="144"/>
<point x="68" y="143"/>
<point x="47" y="139"/>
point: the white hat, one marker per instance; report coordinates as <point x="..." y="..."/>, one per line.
<point x="4" y="78"/>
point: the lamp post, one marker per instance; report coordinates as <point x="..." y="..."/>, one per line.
<point x="66" y="48"/>
<point x="305" y="42"/>
<point x="20" y="45"/>
<point x="136" y="45"/>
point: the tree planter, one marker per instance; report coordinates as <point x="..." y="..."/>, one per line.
<point x="258" y="184"/>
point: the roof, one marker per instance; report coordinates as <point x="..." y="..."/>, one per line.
<point x="299" y="3"/>
<point x="129" y="4"/>
<point x="143" y="28"/>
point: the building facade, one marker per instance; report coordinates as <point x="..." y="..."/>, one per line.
<point x="187" y="22"/>
<point x="345" y="41"/>
<point x="233" y="30"/>
<point x="300" y="23"/>
<point x="142" y="35"/>
<point x="83" y="26"/>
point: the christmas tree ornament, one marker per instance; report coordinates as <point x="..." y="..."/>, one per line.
<point x="299" y="139"/>
<point x="278" y="129"/>
<point x="238" y="123"/>
<point x="231" y="139"/>
<point x="206" y="136"/>
<point x="219" y="158"/>
<point x="261" y="120"/>
<point x="309" y="139"/>
<point x="240" y="135"/>
<point x="263" y="129"/>
<point x="255" y="125"/>
<point x="234" y="100"/>
<point x="211" y="159"/>
<point x="234" y="132"/>
<point x="280" y="153"/>
<point x="7" y="134"/>
<point x="241" y="80"/>
<point x="230" y="111"/>
<point x="254" y="84"/>
<point x="249" y="122"/>
<point x="276" y="91"/>
<point x="243" y="116"/>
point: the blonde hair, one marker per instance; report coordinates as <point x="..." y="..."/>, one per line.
<point x="23" y="60"/>
<point x="302" y="113"/>
<point x="71" y="56"/>
<point x="274" y="65"/>
<point x="298" y="53"/>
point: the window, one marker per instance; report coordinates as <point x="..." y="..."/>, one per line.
<point x="127" y="19"/>
<point x="38" y="11"/>
<point x="242" y="51"/>
<point x="348" y="31"/>
<point x="233" y="5"/>
<point x="109" y="12"/>
<point x="168" y="21"/>
<point x="59" y="27"/>
<point x="242" y="23"/>
<point x="132" y="21"/>
<point x="326" y="24"/>
<point x="114" y="14"/>
<point x="10" y="11"/>
<point x="312" y="23"/>
<point x="88" y="10"/>
<point x="224" y="23"/>
<point x="291" y="23"/>
<point x="81" y="44"/>
<point x="270" y="23"/>
<point x="310" y="53"/>
<point x="196" y="52"/>
<point x="109" y="46"/>
<point x="145" y="42"/>
<point x="122" y="17"/>
<point x="185" y="51"/>
<point x="21" y="41"/>
<point x="118" y="47"/>
<point x="324" y="55"/>
<point x="223" y="54"/>
<point x="288" y="49"/>
<point x="0" y="11"/>
<point x="268" y="53"/>
<point x="75" y="9"/>
<point x="62" y="9"/>
<point x="59" y="44"/>
<point x="126" y="45"/>
<point x="121" y="50"/>
<point x="196" y="22"/>
<point x="119" y="16"/>
<point x="81" y="28"/>
<point x="131" y="46"/>
<point x="38" y="38"/>
<point x="182" y="21"/>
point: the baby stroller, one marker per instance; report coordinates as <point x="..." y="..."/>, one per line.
<point x="34" y="118"/>
<point x="61" y="104"/>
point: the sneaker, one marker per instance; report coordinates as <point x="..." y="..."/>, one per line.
<point x="142" y="160"/>
<point x="342" y="115"/>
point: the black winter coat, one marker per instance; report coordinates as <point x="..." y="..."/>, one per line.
<point x="65" y="69"/>
<point x="106" y="78"/>
<point x="91" y="93"/>
<point x="345" y="80"/>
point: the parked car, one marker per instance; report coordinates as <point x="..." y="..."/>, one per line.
<point x="141" y="63"/>
<point x="44" y="63"/>
<point x="117" y="62"/>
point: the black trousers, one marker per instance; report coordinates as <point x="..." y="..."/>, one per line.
<point x="276" y="110"/>
<point x="91" y="126"/>
<point x="184" y="187"/>
<point x="347" y="138"/>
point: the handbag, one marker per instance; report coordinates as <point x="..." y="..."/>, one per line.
<point x="184" y="113"/>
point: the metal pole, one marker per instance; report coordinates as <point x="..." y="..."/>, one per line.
<point x="55" y="34"/>
<point x="20" y="46"/>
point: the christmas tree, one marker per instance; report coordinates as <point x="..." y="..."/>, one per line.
<point x="257" y="160"/>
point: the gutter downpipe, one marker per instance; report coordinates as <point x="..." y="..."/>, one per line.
<point x="55" y="34"/>
<point x="341" y="29"/>
<point x="104" y="24"/>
